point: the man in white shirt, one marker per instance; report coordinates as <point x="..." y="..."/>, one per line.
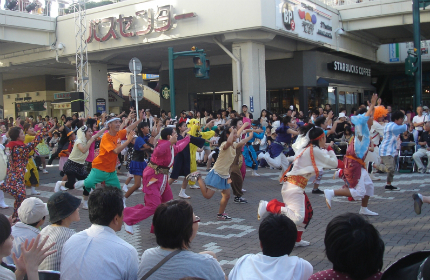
<point x="418" y="122"/>
<point x="277" y="234"/>
<point x="97" y="252"/>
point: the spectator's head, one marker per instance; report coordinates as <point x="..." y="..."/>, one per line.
<point x="320" y="111"/>
<point x="167" y="132"/>
<point x="354" y="246"/>
<point x="287" y="120"/>
<point x="175" y="224"/>
<point x="6" y="238"/>
<point x="419" y="110"/>
<point x="237" y="123"/>
<point x="362" y="111"/>
<point x="277" y="234"/>
<point x="16" y="134"/>
<point x="427" y="126"/>
<point x="398" y="117"/>
<point x="315" y="114"/>
<point x="348" y="130"/>
<point x="105" y="207"/>
<point x="244" y="108"/>
<point x="75" y="116"/>
<point x="142" y="129"/>
<point x="327" y="107"/>
<point x="63" y="208"/>
<point x="389" y="108"/>
<point x="342" y="117"/>
<point x="274" y="117"/>
<point x="68" y="121"/>
<point x="169" y="114"/>
<point x="163" y="113"/>
<point x="263" y="113"/>
<point x="33" y="212"/>
<point x="342" y="110"/>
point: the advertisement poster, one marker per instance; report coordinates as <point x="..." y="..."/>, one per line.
<point x="101" y="105"/>
<point x="305" y="19"/>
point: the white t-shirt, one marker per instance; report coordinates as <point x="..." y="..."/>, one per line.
<point x="418" y="119"/>
<point x="262" y="267"/>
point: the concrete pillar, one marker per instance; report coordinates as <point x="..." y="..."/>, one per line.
<point x="253" y="59"/>
<point x="97" y="86"/>
<point x="1" y="90"/>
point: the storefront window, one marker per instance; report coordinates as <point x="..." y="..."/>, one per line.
<point x="348" y="100"/>
<point x="319" y="96"/>
<point x="279" y="100"/>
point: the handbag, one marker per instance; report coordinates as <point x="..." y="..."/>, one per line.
<point x="163" y="261"/>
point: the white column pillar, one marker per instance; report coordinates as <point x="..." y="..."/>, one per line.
<point x="1" y="90"/>
<point x="97" y="86"/>
<point x="252" y="57"/>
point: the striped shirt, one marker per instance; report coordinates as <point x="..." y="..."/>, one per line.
<point x="389" y="143"/>
<point x="59" y="235"/>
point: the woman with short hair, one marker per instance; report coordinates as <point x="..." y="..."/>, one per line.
<point x="175" y="227"/>
<point x="355" y="248"/>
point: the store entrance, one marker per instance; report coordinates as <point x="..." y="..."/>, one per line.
<point x="212" y="101"/>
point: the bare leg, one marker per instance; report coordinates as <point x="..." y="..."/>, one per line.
<point x="128" y="180"/>
<point x="207" y="193"/>
<point x="184" y="184"/>
<point x="224" y="200"/>
<point x="426" y="199"/>
<point x="365" y="201"/>
<point x="316" y="186"/>
<point x="64" y="178"/>
<point x="137" y="183"/>
<point x="342" y="192"/>
<point x="43" y="160"/>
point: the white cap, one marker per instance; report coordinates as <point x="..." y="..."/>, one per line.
<point x="291" y="107"/>
<point x="32" y="210"/>
<point x="112" y="114"/>
<point x="341" y="115"/>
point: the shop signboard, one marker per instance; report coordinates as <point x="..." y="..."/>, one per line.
<point x="62" y="95"/>
<point x="306" y="19"/>
<point x="30" y="107"/>
<point x="394" y="52"/>
<point x="398" y="52"/>
<point x="101" y="105"/>
<point x="61" y="106"/>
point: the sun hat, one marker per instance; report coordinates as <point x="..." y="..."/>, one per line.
<point x="61" y="205"/>
<point x="32" y="210"/>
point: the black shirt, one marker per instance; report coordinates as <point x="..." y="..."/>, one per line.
<point x="425" y="137"/>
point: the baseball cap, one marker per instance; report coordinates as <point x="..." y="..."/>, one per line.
<point x="112" y="114"/>
<point x="425" y="108"/>
<point x="341" y="115"/>
<point x="244" y="105"/>
<point x="32" y="210"/>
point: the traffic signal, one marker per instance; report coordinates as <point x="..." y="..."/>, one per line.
<point x="201" y="66"/>
<point x="411" y="64"/>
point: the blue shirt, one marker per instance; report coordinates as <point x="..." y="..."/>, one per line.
<point x="282" y="134"/>
<point x="389" y="143"/>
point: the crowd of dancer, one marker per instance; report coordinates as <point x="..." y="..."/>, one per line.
<point x="158" y="150"/>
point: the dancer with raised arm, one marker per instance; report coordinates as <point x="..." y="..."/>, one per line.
<point x="313" y="155"/>
<point x="358" y="184"/>
<point x="155" y="178"/>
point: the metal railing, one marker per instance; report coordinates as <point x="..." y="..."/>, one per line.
<point x="337" y="3"/>
<point x="36" y="7"/>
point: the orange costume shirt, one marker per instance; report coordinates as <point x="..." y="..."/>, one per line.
<point x="106" y="160"/>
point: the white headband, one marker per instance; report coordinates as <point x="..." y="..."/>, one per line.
<point x="112" y="120"/>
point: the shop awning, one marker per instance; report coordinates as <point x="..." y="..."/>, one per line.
<point x="325" y="82"/>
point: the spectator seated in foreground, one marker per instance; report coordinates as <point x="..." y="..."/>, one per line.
<point x="97" y="252"/>
<point x="355" y="248"/>
<point x="278" y="236"/>
<point x="175" y="227"/>
<point x="31" y="214"/>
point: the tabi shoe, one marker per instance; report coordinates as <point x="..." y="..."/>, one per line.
<point x="262" y="209"/>
<point x="183" y="195"/>
<point x="57" y="186"/>
<point x="3" y="205"/>
<point x="391" y="188"/>
<point x="317" y="191"/>
<point x="193" y="177"/>
<point x="125" y="188"/>
<point x="34" y="192"/>
<point x="85" y="204"/>
<point x="367" y="212"/>
<point x="128" y="229"/>
<point x="418" y="202"/>
<point x="261" y="156"/>
<point x="302" y="243"/>
<point x="254" y="173"/>
<point x="329" y="194"/>
<point x="240" y="200"/>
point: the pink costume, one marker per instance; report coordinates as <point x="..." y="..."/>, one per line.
<point x="156" y="187"/>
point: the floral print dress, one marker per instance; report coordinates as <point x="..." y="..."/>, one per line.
<point x="14" y="183"/>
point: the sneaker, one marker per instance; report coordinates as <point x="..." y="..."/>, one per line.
<point x="45" y="171"/>
<point x="34" y="192"/>
<point x="302" y="243"/>
<point x="63" y="188"/>
<point x="223" y="217"/>
<point x="4" y="205"/>
<point x="128" y="229"/>
<point x="85" y="204"/>
<point x="254" y="173"/>
<point x="57" y="186"/>
<point x="329" y="194"/>
<point x="193" y="177"/>
<point x="262" y="209"/>
<point x="123" y="201"/>
<point x="240" y="200"/>
<point x="418" y="202"/>
<point x="125" y="188"/>
<point x="422" y="170"/>
<point x="79" y="185"/>
<point x="367" y="212"/>
<point x="183" y="195"/>
<point x="391" y="188"/>
<point x="194" y="186"/>
<point x="243" y="190"/>
<point x="261" y="156"/>
<point x="317" y="191"/>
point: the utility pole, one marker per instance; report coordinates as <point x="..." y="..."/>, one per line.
<point x="417" y="46"/>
